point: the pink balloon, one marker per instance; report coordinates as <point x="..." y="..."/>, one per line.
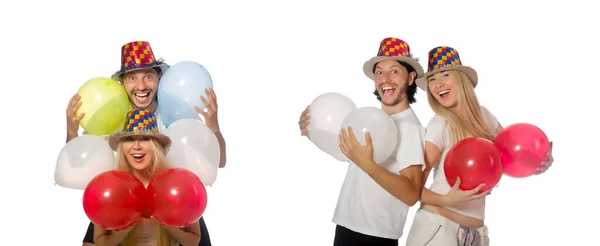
<point x="523" y="147"/>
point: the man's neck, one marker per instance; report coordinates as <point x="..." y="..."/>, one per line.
<point x="400" y="107"/>
<point x="152" y="107"/>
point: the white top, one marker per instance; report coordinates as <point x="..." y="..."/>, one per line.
<point x="145" y="230"/>
<point x="146" y="233"/>
<point x="438" y="134"/>
<point x="363" y="205"/>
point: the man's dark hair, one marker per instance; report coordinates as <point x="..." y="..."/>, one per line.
<point x="157" y="69"/>
<point x="410" y="91"/>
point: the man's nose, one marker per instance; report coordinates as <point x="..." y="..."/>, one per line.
<point x="141" y="85"/>
<point x="386" y="77"/>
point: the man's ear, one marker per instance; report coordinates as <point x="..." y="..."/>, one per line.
<point x="411" y="78"/>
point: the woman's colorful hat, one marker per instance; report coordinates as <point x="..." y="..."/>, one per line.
<point x="444" y="58"/>
<point x="140" y="122"/>
<point x="138" y="55"/>
<point x="392" y="49"/>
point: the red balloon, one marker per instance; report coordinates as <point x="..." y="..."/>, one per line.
<point x="114" y="199"/>
<point x="475" y="161"/>
<point x="176" y="197"/>
<point x="522" y="147"/>
<point x="146" y="213"/>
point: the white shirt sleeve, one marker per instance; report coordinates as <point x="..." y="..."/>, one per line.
<point x="411" y="149"/>
<point x="490" y="119"/>
<point x="437" y="132"/>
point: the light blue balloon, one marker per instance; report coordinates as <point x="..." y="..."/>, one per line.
<point x="179" y="90"/>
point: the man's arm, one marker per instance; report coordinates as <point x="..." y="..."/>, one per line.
<point x="222" y="149"/>
<point x="70" y="136"/>
<point x="406" y="186"/>
<point x="72" y="119"/>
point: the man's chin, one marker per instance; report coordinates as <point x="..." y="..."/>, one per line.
<point x="139" y="105"/>
<point x="391" y="101"/>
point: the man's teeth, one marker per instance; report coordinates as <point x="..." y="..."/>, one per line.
<point x="441" y="93"/>
<point x="142" y="95"/>
<point x="387" y="88"/>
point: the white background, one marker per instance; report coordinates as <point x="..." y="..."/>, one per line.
<point x="537" y="63"/>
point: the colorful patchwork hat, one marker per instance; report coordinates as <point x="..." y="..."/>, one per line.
<point x="138" y="55"/>
<point x="392" y="49"/>
<point x="140" y="122"/>
<point x="444" y="58"/>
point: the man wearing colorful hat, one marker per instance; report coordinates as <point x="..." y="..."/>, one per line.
<point x="139" y="74"/>
<point x="375" y="199"/>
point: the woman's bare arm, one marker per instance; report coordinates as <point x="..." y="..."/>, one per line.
<point x="103" y="237"/>
<point x="187" y="236"/>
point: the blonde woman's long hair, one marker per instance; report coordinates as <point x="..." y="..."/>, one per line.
<point x="473" y="123"/>
<point x="159" y="163"/>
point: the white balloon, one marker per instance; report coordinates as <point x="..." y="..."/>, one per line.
<point x="81" y="160"/>
<point x="380" y="125"/>
<point x="327" y="112"/>
<point x="195" y="148"/>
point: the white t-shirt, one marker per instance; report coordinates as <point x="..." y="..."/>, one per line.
<point x="439" y="134"/>
<point x="146" y="233"/>
<point x="363" y="205"/>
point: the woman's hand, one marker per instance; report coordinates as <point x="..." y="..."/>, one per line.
<point x="127" y="228"/>
<point x="456" y="196"/>
<point x="547" y="163"/>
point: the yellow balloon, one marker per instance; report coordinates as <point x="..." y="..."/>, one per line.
<point x="105" y="104"/>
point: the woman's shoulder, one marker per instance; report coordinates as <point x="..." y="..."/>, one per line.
<point x="489" y="118"/>
<point x="484" y="109"/>
<point x="436" y="121"/>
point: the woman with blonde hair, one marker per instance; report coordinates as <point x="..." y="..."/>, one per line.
<point x="449" y="216"/>
<point x="141" y="151"/>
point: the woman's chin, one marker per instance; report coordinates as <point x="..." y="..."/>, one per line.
<point x="447" y="103"/>
<point x="139" y="167"/>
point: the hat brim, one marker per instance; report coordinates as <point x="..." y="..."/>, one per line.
<point x="163" y="68"/>
<point x="370" y="64"/>
<point x="114" y="140"/>
<point x="470" y="72"/>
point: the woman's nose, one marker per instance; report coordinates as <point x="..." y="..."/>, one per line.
<point x="136" y="144"/>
